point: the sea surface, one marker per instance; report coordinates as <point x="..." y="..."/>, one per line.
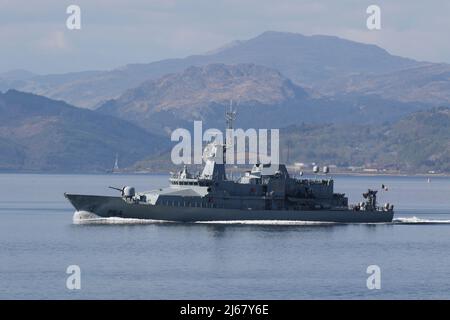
<point x="127" y="259"/>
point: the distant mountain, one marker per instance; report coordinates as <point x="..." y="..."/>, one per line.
<point x="428" y="83"/>
<point x="265" y="98"/>
<point x="201" y="93"/>
<point x="75" y="88"/>
<point x="17" y="75"/>
<point x="309" y="61"/>
<point x="40" y="134"/>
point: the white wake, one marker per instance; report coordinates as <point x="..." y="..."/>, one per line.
<point x="415" y="220"/>
<point x="268" y="222"/>
<point x="86" y="217"/>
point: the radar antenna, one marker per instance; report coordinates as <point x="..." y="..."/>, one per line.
<point x="230" y="116"/>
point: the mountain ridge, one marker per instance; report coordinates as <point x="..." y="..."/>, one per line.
<point x="428" y="83"/>
<point x="306" y="60"/>
<point x="265" y="98"/>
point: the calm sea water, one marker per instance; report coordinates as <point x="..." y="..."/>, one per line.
<point x="124" y="260"/>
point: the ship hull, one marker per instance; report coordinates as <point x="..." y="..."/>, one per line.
<point x="106" y="206"/>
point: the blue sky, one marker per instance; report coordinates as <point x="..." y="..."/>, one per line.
<point x="33" y="34"/>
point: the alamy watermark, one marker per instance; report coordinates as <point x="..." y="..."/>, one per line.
<point x="73" y="281"/>
<point x="73" y="22"/>
<point x="240" y="147"/>
<point x="374" y="280"/>
<point x="373" y="22"/>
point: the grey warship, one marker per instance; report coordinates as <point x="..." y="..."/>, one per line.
<point x="260" y="194"/>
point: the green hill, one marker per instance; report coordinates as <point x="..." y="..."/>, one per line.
<point x="40" y="134"/>
<point x="417" y="143"/>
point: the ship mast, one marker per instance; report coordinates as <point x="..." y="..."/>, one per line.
<point x="230" y="116"/>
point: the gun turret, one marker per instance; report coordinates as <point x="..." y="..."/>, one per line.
<point x="126" y="192"/>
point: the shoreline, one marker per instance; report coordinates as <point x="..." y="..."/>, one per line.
<point x="292" y="173"/>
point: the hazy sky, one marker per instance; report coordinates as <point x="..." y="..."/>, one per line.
<point x="33" y="34"/>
